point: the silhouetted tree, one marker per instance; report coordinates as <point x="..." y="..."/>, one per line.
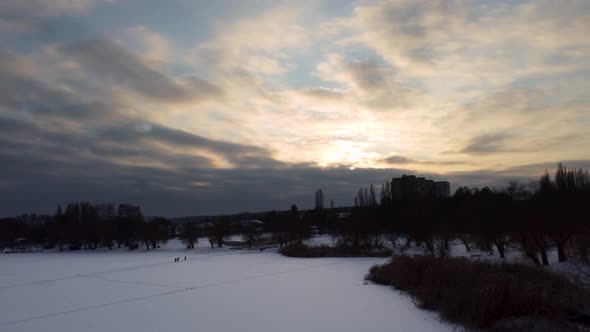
<point x="220" y="230"/>
<point x="386" y="195"/>
<point x="372" y="197"/>
<point x="158" y="231"/>
<point x="366" y="197"/>
<point x="251" y="233"/>
<point x="189" y="234"/>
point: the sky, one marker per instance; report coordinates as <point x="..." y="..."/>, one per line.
<point x="211" y="107"/>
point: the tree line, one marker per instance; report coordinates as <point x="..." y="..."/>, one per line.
<point x="82" y="225"/>
<point x="551" y="213"/>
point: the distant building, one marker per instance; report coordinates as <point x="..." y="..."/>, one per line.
<point x="129" y="211"/>
<point x="442" y="189"/>
<point x="410" y="186"/>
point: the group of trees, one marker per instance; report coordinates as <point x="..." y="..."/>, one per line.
<point x="216" y="232"/>
<point x="366" y="197"/>
<point x="549" y="214"/>
<point x="290" y="227"/>
<point x="83" y="225"/>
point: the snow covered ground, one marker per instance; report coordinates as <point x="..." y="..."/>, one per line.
<point x="213" y="290"/>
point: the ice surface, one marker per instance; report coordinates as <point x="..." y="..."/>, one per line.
<point x="213" y="290"/>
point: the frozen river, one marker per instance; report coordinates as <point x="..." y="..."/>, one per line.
<point x="213" y="290"/>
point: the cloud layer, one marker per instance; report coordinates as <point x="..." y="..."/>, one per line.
<point x="254" y="107"/>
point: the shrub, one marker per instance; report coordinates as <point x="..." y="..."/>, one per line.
<point x="477" y="293"/>
<point x="302" y="250"/>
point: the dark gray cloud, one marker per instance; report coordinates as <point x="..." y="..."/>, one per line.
<point x="411" y="28"/>
<point x="488" y="143"/>
<point x="59" y="145"/>
<point x="322" y="94"/>
<point x="142" y="130"/>
<point x="148" y="134"/>
<point x="72" y="143"/>
<point x="41" y="169"/>
<point x="142" y="143"/>
<point x="30" y="23"/>
<point x="70" y="139"/>
<point x="25" y="94"/>
<point x="377" y="84"/>
<point x="42" y="8"/>
<point x="111" y="63"/>
<point x="400" y="160"/>
<point x="368" y="74"/>
<point x="174" y="192"/>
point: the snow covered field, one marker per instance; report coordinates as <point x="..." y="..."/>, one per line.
<point x="213" y="290"/>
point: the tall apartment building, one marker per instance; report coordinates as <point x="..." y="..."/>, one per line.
<point x="410" y="186"/>
<point x="442" y="189"/>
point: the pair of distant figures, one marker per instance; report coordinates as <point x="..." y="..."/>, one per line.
<point x="177" y="259"/>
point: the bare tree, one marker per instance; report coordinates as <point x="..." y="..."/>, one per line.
<point x="517" y="191"/>
<point x="561" y="178"/>
<point x="220" y="231"/>
<point x="386" y="196"/>
<point x="545" y="184"/>
<point x="189" y="234"/>
<point x="372" y="196"/>
<point x="251" y="233"/>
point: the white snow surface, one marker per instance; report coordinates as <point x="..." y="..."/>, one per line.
<point x="213" y="290"/>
